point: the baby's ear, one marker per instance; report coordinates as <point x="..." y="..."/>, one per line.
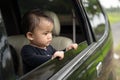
<point x="29" y="36"/>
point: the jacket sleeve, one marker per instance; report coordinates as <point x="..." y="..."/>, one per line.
<point x="32" y="59"/>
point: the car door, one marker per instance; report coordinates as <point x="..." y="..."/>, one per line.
<point x="97" y="65"/>
<point x="99" y="52"/>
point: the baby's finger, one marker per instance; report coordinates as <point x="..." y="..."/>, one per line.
<point x="75" y="46"/>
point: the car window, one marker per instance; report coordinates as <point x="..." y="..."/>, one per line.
<point x="70" y="26"/>
<point x="96" y="17"/>
<point x="71" y="23"/>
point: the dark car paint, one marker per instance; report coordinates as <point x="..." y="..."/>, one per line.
<point x="82" y="67"/>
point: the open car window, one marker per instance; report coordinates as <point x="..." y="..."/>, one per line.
<point x="71" y="26"/>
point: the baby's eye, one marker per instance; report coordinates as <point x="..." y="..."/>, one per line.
<point x="45" y="33"/>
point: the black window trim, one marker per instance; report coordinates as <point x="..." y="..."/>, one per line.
<point x="86" y="27"/>
<point x="90" y="27"/>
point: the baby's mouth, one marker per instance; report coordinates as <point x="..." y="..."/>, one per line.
<point x="50" y="41"/>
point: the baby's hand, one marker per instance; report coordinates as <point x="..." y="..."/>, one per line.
<point x="72" y="46"/>
<point x="59" y="54"/>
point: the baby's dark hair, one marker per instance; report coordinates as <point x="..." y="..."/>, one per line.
<point x="32" y="18"/>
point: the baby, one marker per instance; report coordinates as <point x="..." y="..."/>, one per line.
<point x="38" y="30"/>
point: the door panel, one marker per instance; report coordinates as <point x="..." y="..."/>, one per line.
<point x="88" y="68"/>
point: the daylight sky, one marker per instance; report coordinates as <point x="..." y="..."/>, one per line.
<point x="111" y="3"/>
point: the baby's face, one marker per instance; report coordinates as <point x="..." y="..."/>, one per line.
<point x="42" y="34"/>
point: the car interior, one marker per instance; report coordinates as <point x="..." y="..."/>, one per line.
<point x="18" y="41"/>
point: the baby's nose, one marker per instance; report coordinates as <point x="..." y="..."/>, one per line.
<point x="50" y="35"/>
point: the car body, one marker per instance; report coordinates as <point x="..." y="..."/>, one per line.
<point x="83" y="21"/>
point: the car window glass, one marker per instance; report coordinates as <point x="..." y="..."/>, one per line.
<point x="95" y="16"/>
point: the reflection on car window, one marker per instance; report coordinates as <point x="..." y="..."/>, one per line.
<point x="95" y="16"/>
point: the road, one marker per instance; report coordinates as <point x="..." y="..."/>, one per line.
<point x="116" y="33"/>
